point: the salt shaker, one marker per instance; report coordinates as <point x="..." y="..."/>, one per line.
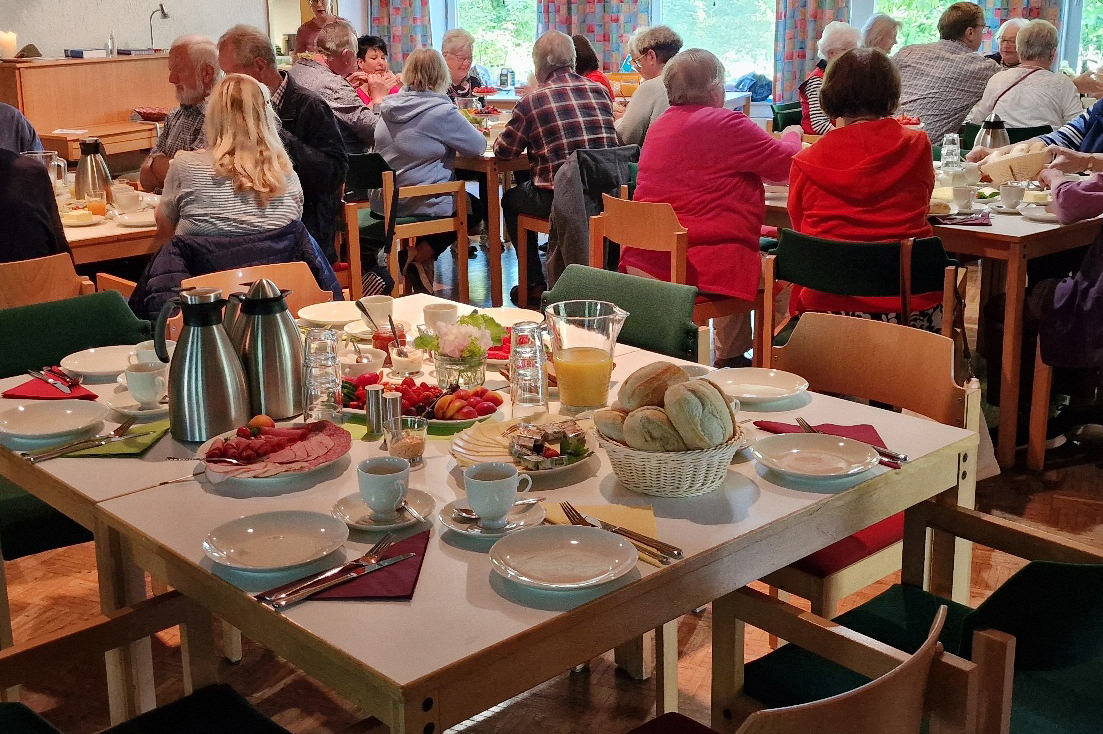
<point x="528" y="370"/>
<point x="374" y="411"/>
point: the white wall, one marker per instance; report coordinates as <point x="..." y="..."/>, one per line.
<point x="54" y="25"/>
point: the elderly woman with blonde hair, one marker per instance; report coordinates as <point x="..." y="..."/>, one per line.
<point x="881" y="32"/>
<point x="420" y="133"/>
<point x="458" y="48"/>
<point x="837" y="38"/>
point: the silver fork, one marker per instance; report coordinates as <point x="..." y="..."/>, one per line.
<point x="575" y="517"/>
<point x="69" y="447"/>
<point x="372" y="556"/>
<point x="892" y="455"/>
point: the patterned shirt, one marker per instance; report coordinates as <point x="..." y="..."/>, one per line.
<point x="568" y="113"/>
<point x="183" y="130"/>
<point x="277" y="96"/>
<point x="355" y="120"/>
<point x="1072" y="135"/>
<point x="940" y="83"/>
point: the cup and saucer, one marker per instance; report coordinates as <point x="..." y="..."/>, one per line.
<point x="146" y="385"/>
<point x="1011" y="198"/>
<point x="492" y="489"/>
<point x="384" y="491"/>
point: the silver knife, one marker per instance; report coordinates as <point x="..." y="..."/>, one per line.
<point x="56" y="383"/>
<point x="91" y="443"/>
<point x="354" y="573"/>
<point x="668" y="550"/>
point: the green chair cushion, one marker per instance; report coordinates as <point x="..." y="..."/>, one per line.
<point x="28" y="525"/>
<point x="782" y="337"/>
<point x="373" y="228"/>
<point x="667" y="330"/>
<point x="41" y="334"/>
<point x="15" y="718"/>
<point x="1067" y="701"/>
<point x="215" y="709"/>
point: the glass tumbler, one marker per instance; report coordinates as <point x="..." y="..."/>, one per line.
<point x="951" y="152"/>
<point x="321" y="376"/>
<point x="528" y="370"/>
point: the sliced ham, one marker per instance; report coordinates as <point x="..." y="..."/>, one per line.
<point x="281" y="450"/>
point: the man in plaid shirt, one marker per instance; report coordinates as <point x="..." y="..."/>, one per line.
<point x="567" y="113"/>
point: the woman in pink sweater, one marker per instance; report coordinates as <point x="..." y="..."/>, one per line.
<point x="709" y="164"/>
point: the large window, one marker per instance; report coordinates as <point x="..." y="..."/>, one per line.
<point x="504" y="32"/>
<point x="919" y="18"/>
<point x="1091" y="37"/>
<point x="740" y="32"/>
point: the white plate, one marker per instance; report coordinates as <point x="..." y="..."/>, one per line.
<point x="360" y="330"/>
<point x="775" y="190"/>
<point x="123" y="402"/>
<point x="274" y="541"/>
<point x="563" y="557"/>
<point x="100" y="361"/>
<point x="758" y="385"/>
<point x="814" y="455"/>
<point x="526" y="516"/>
<point x="999" y="208"/>
<point x="96" y="219"/>
<point x="1038" y="213"/>
<point x="693" y="371"/>
<point x="352" y="511"/>
<point x="278" y="480"/>
<point x="51" y="419"/>
<point x="331" y="313"/>
<point x="136" y="219"/>
<point x="511" y="316"/>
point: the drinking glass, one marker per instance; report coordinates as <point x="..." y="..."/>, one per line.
<point x="96" y="202"/>
<point x="951" y="152"/>
<point x="528" y="373"/>
<point x="584" y="334"/>
<point x="406" y="436"/>
<point x="321" y="376"/>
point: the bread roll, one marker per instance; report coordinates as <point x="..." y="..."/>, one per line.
<point x="647" y="385"/>
<point x="610" y="423"/>
<point x="938" y="207"/>
<point x="649" y="429"/>
<point x="701" y="413"/>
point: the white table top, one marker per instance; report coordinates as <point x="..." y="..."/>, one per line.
<point x="107" y="229"/>
<point x="457" y="580"/>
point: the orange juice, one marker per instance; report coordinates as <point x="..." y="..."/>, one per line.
<point x="97" y="206"/>
<point x="583" y="374"/>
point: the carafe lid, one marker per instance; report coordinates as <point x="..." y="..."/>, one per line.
<point x="193" y="296"/>
<point x="90" y="146"/>
<point x="993" y="122"/>
<point x="262" y="289"/>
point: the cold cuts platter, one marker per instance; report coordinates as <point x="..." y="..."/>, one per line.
<point x="265" y="455"/>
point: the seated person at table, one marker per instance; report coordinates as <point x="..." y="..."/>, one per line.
<point x="308" y="130"/>
<point x="16" y="132"/>
<point x="880" y="32"/>
<point x="650" y="49"/>
<point x="458" y="48"/>
<point x="419" y="133"/>
<point x="567" y="113"/>
<point x="709" y="164"/>
<point x="373" y="77"/>
<point x="234" y="204"/>
<point x="837" y="37"/>
<point x="586" y="63"/>
<point x="30" y="225"/>
<point x="193" y="71"/>
<point x="868" y="180"/>
<point x="941" y="81"/>
<point x="337" y="45"/>
<point x="1030" y="95"/>
<point x="1006" y="54"/>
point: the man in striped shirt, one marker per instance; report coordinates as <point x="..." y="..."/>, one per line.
<point x="567" y="113"/>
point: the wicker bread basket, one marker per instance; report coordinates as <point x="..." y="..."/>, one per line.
<point x="1022" y="167"/>
<point x="671" y="473"/>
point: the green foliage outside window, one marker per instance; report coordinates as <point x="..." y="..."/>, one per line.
<point x="740" y="33"/>
<point x="1091" y="36"/>
<point x="504" y="32"/>
<point x="919" y="18"/>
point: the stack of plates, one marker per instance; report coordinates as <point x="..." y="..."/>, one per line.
<point x="486" y="441"/>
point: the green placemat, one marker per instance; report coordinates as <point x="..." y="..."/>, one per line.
<point x="130" y="447"/>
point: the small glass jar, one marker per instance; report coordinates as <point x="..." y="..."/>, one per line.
<point x="408" y="366"/>
<point x="382" y="338"/>
<point x="406" y="436"/>
<point x="467" y="372"/>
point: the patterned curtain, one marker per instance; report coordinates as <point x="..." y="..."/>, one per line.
<point x="608" y="25"/>
<point x="799" y="24"/>
<point x="403" y="24"/>
<point x="996" y="12"/>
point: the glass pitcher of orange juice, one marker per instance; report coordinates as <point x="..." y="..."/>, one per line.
<point x="584" y="334"/>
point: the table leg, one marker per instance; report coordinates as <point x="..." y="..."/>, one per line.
<point x="130" y="686"/>
<point x="727" y="661"/>
<point x="197" y="646"/>
<point x="1012" y="348"/>
<point x="666" y="668"/>
<point x="494" y="231"/>
<point x="631" y="657"/>
<point x="7" y="639"/>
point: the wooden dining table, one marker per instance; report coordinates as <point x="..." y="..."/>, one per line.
<point x="108" y="240"/>
<point x="469" y="639"/>
<point x="1014" y="240"/>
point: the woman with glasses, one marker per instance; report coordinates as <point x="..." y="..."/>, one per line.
<point x="650" y="49"/>
<point x="458" y="48"/>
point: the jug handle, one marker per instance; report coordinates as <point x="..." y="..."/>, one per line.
<point x="159" y="344"/>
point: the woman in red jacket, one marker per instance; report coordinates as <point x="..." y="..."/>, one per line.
<point x="868" y="180"/>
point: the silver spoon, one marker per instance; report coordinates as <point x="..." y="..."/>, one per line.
<point x="466" y="515"/>
<point x="367" y="315"/>
<point x="360" y="358"/>
<point x="398" y="348"/>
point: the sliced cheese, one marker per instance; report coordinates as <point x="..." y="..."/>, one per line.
<point x="80" y="216"/>
<point x="943" y="193"/>
<point x="1036" y="197"/>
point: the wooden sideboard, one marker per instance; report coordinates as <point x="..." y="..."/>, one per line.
<point x="97" y="95"/>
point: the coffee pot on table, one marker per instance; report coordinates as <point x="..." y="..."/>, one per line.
<point x="271" y="351"/>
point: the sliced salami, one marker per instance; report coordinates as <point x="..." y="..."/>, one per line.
<point x="278" y="451"/>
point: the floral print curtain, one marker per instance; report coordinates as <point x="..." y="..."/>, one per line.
<point x="608" y="25"/>
<point x="997" y="12"/>
<point x="799" y="24"/>
<point x="403" y="24"/>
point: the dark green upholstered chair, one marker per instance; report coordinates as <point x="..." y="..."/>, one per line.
<point x="1022" y="134"/>
<point x="37" y="335"/>
<point x="667" y="330"/>
<point x="786" y="114"/>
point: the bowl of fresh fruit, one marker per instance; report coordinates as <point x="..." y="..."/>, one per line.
<point x="446" y="411"/>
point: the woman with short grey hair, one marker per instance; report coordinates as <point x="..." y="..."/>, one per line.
<point x="1006" y="54"/>
<point x="1031" y="95"/>
<point x="881" y="31"/>
<point x="651" y="49"/>
<point x="836" y="39"/>
<point x="458" y="49"/>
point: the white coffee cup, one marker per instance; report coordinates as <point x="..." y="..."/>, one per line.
<point x="126" y="199"/>
<point x="383" y="481"/>
<point x="147" y="352"/>
<point x="1011" y="195"/>
<point x="380" y="308"/>
<point x="964" y="196"/>
<point x="440" y="314"/>
<point x="146" y="382"/>
<point x="492" y="488"/>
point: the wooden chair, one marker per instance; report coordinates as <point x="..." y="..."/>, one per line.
<point x="655" y="227"/>
<point x="295" y="277"/>
<point x="41" y="279"/>
<point x="369" y="171"/>
<point x="526" y="223"/>
<point x="900" y="366"/>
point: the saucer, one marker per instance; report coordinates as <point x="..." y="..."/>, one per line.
<point x="352" y="511"/>
<point x="121" y="401"/>
<point x="1001" y="209"/>
<point x="519" y="517"/>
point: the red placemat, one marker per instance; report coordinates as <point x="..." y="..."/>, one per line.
<point x="863" y="432"/>
<point x="36" y="389"/>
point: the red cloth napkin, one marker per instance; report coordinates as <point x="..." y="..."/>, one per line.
<point x="38" y="390"/>
<point x="863" y="432"/>
<point x="980" y="219"/>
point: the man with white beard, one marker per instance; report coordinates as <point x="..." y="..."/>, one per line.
<point x="193" y="71"/>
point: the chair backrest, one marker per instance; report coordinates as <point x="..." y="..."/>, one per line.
<point x="43" y="333"/>
<point x="643" y="225"/>
<point x="786" y="114"/>
<point x="668" y="330"/>
<point x="295" y="277"/>
<point x="894" y="364"/>
<point x="1022" y="134"/>
<point x="891" y="704"/>
<point x="365" y="174"/>
<point x="41" y="279"/>
<point x="968" y="135"/>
